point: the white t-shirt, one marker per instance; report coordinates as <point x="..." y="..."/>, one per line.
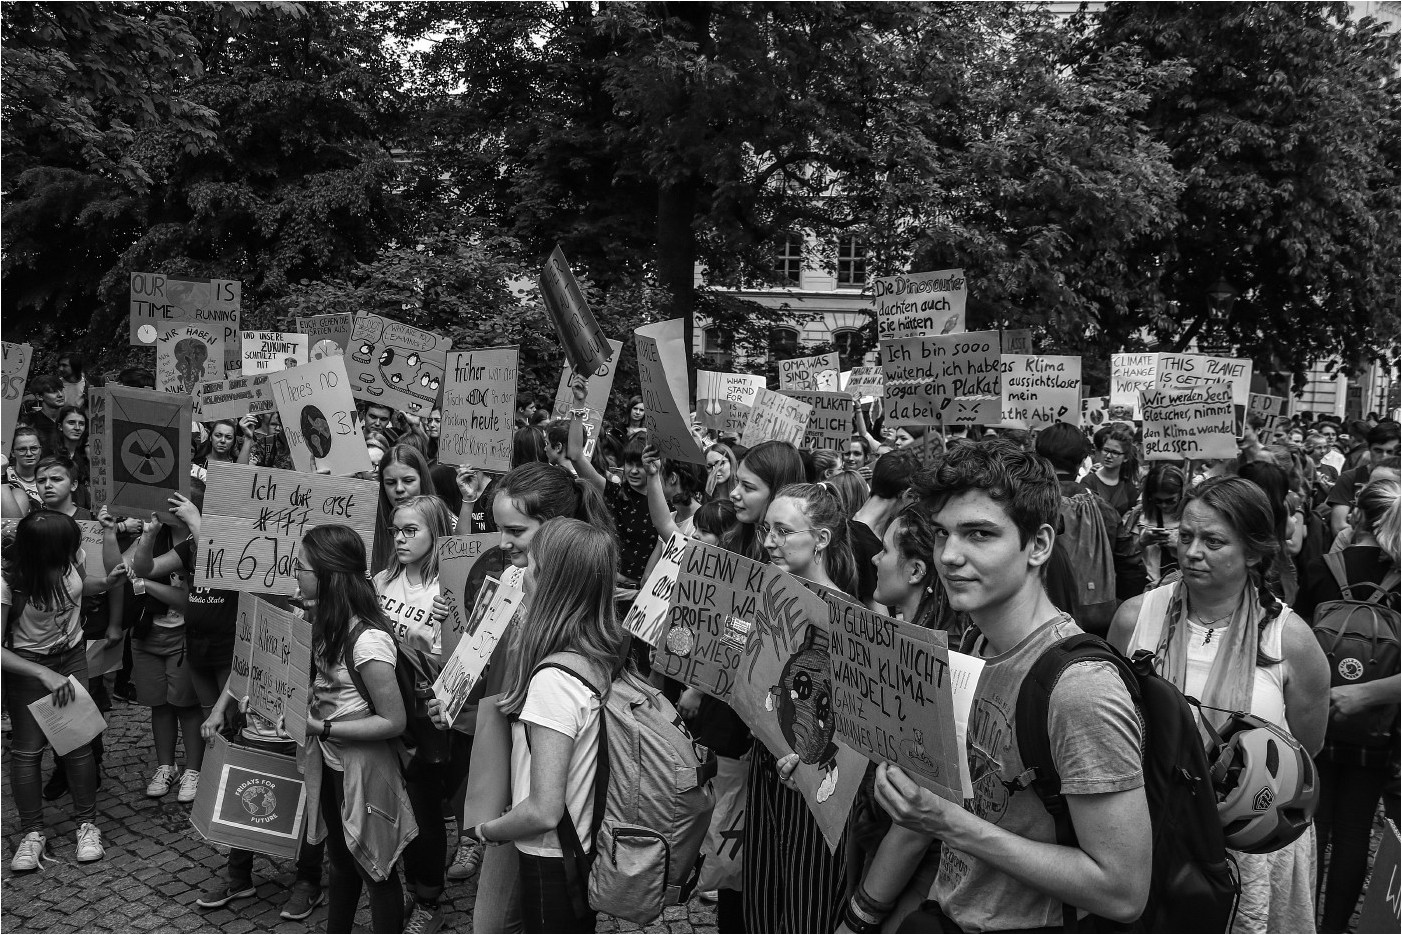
<point x="563" y="703"/>
<point x="334" y="694"/>
<point x="408" y="607"/>
<point x="40" y="630"/>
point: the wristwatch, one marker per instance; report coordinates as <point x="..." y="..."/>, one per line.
<point x="326" y="728"/>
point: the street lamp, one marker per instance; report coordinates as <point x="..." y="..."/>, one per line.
<point x="1222" y="295"/>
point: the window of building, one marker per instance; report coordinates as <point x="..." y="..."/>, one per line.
<point x="851" y="263"/>
<point x="715" y="347"/>
<point x="851" y="346"/>
<point x="783" y="343"/>
<point x="788" y="259"/>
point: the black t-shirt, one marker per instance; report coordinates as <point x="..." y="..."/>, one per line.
<point x="1346" y="487"/>
<point x="866" y="545"/>
<point x="636" y="535"/>
<point x="1362" y="563"/>
<point x="211" y="618"/>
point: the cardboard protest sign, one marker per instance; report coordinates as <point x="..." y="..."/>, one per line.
<point x="479" y="408"/>
<point x="143" y="455"/>
<point x="590" y="410"/>
<point x="99" y="448"/>
<point x="159" y="301"/>
<point x="188" y="355"/>
<point x="250" y="799"/>
<point x="1184" y="371"/>
<point x="964" y="672"/>
<point x="1017" y="341"/>
<point x="327" y="335"/>
<point x="647" y="618"/>
<point x="271" y="351"/>
<point x="233" y="398"/>
<point x="279" y="675"/>
<point x="585" y="346"/>
<point x="924" y="375"/>
<point x="496" y="604"/>
<point x="242" y="665"/>
<point x="662" y="383"/>
<point x="17" y="360"/>
<point x="460" y="578"/>
<point x="723" y="400"/>
<point x="892" y="695"/>
<point x="1194" y="423"/>
<point x="713" y="606"/>
<point x="91" y="532"/>
<point x="974" y="410"/>
<point x="775" y="417"/>
<point x="809" y="373"/>
<point x="1130" y="373"/>
<point x="1275" y="410"/>
<point x="1382" y="903"/>
<point x="830" y="421"/>
<point x="316" y="407"/>
<point x="784" y="693"/>
<point x="256" y="516"/>
<point x="867" y="381"/>
<point x="395" y="364"/>
<point x="917" y="305"/>
<point x="1095" y="411"/>
<point x="1041" y="390"/>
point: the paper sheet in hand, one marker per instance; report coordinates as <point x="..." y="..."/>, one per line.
<point x="647" y="618"/>
<point x="496" y="605"/>
<point x="72" y="725"/>
<point x="963" y="680"/>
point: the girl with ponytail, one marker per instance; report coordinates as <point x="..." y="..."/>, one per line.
<point x="1221" y="636"/>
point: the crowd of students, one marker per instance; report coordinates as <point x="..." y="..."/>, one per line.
<point x="990" y="535"/>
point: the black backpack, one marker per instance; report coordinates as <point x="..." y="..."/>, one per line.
<point x="1194" y="885"/>
<point x="424" y="744"/>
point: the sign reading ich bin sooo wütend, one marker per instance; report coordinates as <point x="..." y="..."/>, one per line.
<point x="159" y="301"/>
<point x="917" y="305"/>
<point x="1195" y="423"/>
<point x="924" y="376"/>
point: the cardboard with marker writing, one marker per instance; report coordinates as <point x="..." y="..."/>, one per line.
<point x="784" y="693"/>
<point x="723" y="400"/>
<point x="144" y="448"/>
<point x="831" y="420"/>
<point x="255" y="518"/>
<point x="915" y="305"/>
<point x="818" y="374"/>
<point x="662" y="381"/>
<point x="242" y="665"/>
<point x="867" y="382"/>
<point x="99" y="447"/>
<point x="1040" y="390"/>
<point x="1195" y="423"/>
<point x="924" y="375"/>
<point x="1130" y="373"/>
<point x="187" y="356"/>
<point x="396" y="365"/>
<point x="479" y="408"/>
<point x="713" y="606"/>
<point x="158" y="301"/>
<point x="17" y="360"/>
<point x="464" y="562"/>
<point x="1017" y="340"/>
<point x="1275" y="410"/>
<point x="327" y="335"/>
<point x="271" y="351"/>
<point x="775" y="417"/>
<point x="279" y="676"/>
<point x="973" y="410"/>
<point x="233" y="398"/>
<point x="585" y="346"/>
<point x="590" y="410"/>
<point x="497" y="603"/>
<point x="317" y="408"/>
<point x="91" y="533"/>
<point x="647" y="617"/>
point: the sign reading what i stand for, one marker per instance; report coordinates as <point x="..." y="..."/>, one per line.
<point x="925" y="375"/>
<point x="1194" y="423"/>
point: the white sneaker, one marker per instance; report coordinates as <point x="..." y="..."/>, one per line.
<point x="30" y="854"/>
<point x="161" y="782"/>
<point x="189" y="786"/>
<point x="89" y="843"/>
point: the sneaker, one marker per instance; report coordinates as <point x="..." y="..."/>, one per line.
<point x="305" y="898"/>
<point x="189" y="786"/>
<point x="707" y="896"/>
<point x="89" y="843"/>
<point x="57" y="786"/>
<point x="424" y="919"/>
<point x="30" y="854"/>
<point x="466" y="862"/>
<point x="162" y="781"/>
<point x="222" y="892"/>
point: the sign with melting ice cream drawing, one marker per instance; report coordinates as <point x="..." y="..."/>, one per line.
<point x="395" y="364"/>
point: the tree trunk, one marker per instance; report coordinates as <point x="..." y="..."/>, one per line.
<point x="676" y="254"/>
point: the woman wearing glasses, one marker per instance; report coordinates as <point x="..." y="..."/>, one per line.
<point x="22" y="473"/>
<point x="1155" y="522"/>
<point x="1116" y="477"/>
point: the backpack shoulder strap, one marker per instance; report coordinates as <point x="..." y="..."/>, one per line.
<point x="348" y="656"/>
<point x="1334" y="561"/>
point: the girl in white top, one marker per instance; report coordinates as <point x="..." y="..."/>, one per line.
<point x="555" y="729"/>
<point x="1220" y="636"/>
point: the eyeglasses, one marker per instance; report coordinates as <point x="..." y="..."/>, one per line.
<point x="781" y="536"/>
<point x="29" y="450"/>
<point x="408" y="532"/>
<point x="298" y="568"/>
<point x="1111" y="453"/>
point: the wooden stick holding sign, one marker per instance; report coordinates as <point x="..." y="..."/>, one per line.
<point x="586" y="348"/>
<point x="663" y="383"/>
<point x="316" y="407"/>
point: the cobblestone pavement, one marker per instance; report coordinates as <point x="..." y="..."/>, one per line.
<point x="157" y="864"/>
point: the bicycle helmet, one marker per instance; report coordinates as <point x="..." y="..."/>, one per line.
<point x="1266" y="785"/>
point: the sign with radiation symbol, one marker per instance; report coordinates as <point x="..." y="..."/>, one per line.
<point x="147" y="444"/>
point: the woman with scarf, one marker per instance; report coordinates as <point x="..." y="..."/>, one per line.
<point x="1221" y="636"/>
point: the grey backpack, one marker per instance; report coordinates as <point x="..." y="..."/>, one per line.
<point x="652" y="804"/>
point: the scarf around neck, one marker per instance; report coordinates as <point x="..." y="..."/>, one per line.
<point x="1233" y="674"/>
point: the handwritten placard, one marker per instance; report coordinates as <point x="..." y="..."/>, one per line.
<point x="17" y="360"/>
<point x="479" y="408"/>
<point x="99" y="447"/>
<point x="1129" y="374"/>
<point x="723" y="400"/>
<point x="829" y="422"/>
<point x="327" y="335"/>
<point x="279" y="672"/>
<point x="395" y="364"/>
<point x="775" y="417"/>
<point x="91" y="533"/>
<point x="271" y="351"/>
<point x="188" y="355"/>
<point x="315" y="404"/>
<point x="892" y="695"/>
<point x="1017" y="341"/>
<point x="713" y="607"/>
<point x="1184" y="371"/>
<point x="590" y="410"/>
<point x="1193" y="423"/>
<point x="917" y="305"/>
<point x="158" y="301"/>
<point x="233" y="398"/>
<point x="647" y="618"/>
<point x="1274" y="410"/>
<point x="663" y="383"/>
<point x="586" y="348"/>
<point x="496" y="604"/>
<point x="1095" y="411"/>
<point x="256" y="516"/>
<point x="974" y="410"/>
<point x="242" y="666"/>
<point x="867" y="382"/>
<point x="143" y="455"/>
<point x="1041" y="390"/>
<point x="925" y="375"/>
<point x="809" y="373"/>
<point x="462" y="561"/>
